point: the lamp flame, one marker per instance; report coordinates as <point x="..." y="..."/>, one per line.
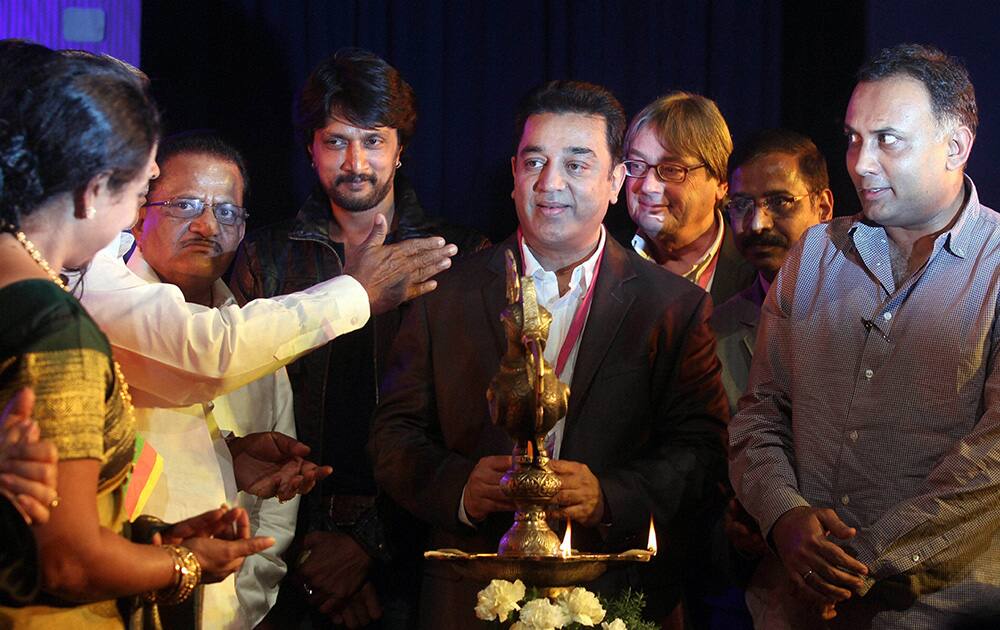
<point x="566" y="548"/>
<point x="651" y="545"/>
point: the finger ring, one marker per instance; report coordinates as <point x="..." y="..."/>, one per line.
<point x="54" y="503"/>
<point x="805" y="576"/>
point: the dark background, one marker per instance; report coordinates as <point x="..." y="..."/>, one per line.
<point x="236" y="65"/>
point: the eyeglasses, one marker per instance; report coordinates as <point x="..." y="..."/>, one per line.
<point x="667" y="172"/>
<point x="191" y="208"/>
<point x="777" y="205"/>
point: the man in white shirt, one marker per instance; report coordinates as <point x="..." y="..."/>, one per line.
<point x="643" y="429"/>
<point x="187" y="235"/>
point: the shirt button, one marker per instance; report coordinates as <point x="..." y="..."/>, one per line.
<point x="869" y="373"/>
<point x="845" y="500"/>
<point x="915" y="557"/>
<point x="210" y="406"/>
<point x="854" y="436"/>
<point x="887" y="316"/>
<point x="354" y="321"/>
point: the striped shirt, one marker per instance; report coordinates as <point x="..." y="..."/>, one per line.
<point x="883" y="403"/>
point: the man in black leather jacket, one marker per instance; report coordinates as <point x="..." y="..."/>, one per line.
<point x="356" y="554"/>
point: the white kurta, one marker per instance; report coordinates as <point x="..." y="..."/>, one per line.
<point x="175" y="353"/>
<point x="198" y="476"/>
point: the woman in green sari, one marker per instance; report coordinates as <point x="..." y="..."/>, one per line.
<point x="77" y="141"/>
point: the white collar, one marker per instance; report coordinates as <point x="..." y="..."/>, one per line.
<point x="221" y="295"/>
<point x="583" y="273"/>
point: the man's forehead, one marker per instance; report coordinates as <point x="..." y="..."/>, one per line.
<point x="341" y="126"/>
<point x="192" y="170"/>
<point x="896" y="102"/>
<point x="650" y="144"/>
<point x="564" y="132"/>
<point x="774" y="167"/>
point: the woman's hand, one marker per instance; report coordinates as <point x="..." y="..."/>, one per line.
<point x="27" y="464"/>
<point x="224" y="523"/>
<point x="219" y="538"/>
<point x="218" y="558"/>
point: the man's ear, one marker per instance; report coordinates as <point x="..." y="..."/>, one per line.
<point x="721" y="189"/>
<point x="137" y="228"/>
<point x="824" y="202"/>
<point x="959" y="147"/>
<point x="513" y="173"/>
<point x="617" y="179"/>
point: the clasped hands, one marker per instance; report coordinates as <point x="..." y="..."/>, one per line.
<point x="822" y="572"/>
<point x="270" y="464"/>
<point x="579" y="499"/>
<point x="333" y="569"/>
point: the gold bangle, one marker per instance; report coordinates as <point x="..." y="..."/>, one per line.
<point x="187" y="575"/>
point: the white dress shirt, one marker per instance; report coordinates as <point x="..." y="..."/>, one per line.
<point x="198" y="476"/>
<point x="563" y="308"/>
<point x="175" y="353"/>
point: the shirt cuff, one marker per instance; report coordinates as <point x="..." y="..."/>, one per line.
<point x="462" y="514"/>
<point x="349" y="296"/>
<point x="775" y="505"/>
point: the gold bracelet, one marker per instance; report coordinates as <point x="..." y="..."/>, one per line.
<point x="187" y="575"/>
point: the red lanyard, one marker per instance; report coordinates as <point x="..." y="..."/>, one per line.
<point x="579" y="317"/>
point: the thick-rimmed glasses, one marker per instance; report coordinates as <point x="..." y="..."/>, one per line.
<point x="779" y="205"/>
<point x="191" y="208"/>
<point x="667" y="171"/>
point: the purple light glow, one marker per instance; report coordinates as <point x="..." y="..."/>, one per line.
<point x="41" y="21"/>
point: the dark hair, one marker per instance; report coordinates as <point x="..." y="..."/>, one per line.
<point x="65" y="119"/>
<point x="359" y="87"/>
<point x="202" y="142"/>
<point x="945" y="77"/>
<point x="812" y="164"/>
<point x="575" y="97"/>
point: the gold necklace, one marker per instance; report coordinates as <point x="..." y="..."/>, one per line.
<point x="37" y="257"/>
<point x="126" y="396"/>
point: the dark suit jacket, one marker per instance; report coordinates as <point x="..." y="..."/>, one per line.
<point x="646" y="410"/>
<point x="733" y="273"/>
<point x="735" y="326"/>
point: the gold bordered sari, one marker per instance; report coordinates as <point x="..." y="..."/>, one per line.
<point x="48" y="342"/>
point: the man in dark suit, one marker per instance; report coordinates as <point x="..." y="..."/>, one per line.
<point x="778" y="188"/>
<point x="676" y="151"/>
<point x="646" y="409"/>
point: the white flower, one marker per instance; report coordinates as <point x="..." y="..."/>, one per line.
<point x="499" y="599"/>
<point x="582" y="606"/>
<point x="517" y="625"/>
<point x="541" y="614"/>
<point x="617" y="624"/>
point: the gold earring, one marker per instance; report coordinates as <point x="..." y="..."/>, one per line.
<point x="90" y="212"/>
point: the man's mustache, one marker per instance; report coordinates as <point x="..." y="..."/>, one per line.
<point x="765" y="239"/>
<point x="204" y="241"/>
<point x="355" y="178"/>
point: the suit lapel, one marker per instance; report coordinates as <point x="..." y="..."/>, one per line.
<point x="611" y="303"/>
<point x="754" y="297"/>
